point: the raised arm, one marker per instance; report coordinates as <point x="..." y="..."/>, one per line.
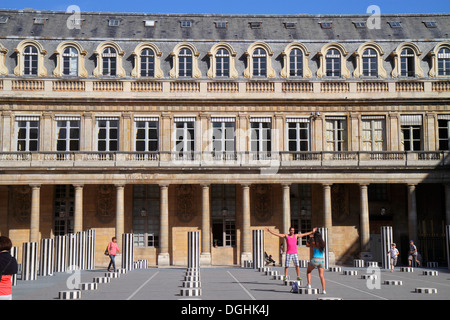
<point x="276" y="234"/>
<point x="306" y="234"/>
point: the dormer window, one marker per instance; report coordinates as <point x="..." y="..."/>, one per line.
<point x="149" y="23"/>
<point x="185" y="24"/>
<point x="113" y="22"/>
<point x="255" y="25"/>
<point x="221" y="24"/>
<point x="359" y="24"/>
<point x="40" y="20"/>
<point x="326" y="25"/>
<point x="395" y="24"/>
<point x="290" y="25"/>
<point x="4" y="19"/>
<point x="430" y="24"/>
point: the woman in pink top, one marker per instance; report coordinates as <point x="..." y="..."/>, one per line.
<point x="291" y="249"/>
<point x="113" y="249"/>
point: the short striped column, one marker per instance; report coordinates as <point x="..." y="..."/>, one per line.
<point x="127" y="251"/>
<point x="71" y="248"/>
<point x="258" y="249"/>
<point x="90" y="254"/>
<point x="386" y="242"/>
<point x="358" y="263"/>
<point x="193" y="249"/>
<point x="70" y="295"/>
<point x="81" y="245"/>
<point x="447" y="241"/>
<point x="29" y="261"/>
<point x="15" y="254"/>
<point x="46" y="257"/>
<point x="60" y="253"/>
<point x="324" y="233"/>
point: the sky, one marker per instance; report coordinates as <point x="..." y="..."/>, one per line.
<point x="237" y="6"/>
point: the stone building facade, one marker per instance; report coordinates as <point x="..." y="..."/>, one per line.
<point x="159" y="124"/>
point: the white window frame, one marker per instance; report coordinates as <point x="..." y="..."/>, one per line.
<point x="27" y="129"/>
<point x="147" y="128"/>
<point x="67" y="126"/>
<point x="107" y="129"/>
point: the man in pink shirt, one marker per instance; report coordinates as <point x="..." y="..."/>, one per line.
<point x="291" y="248"/>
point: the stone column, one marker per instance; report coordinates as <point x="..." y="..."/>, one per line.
<point x="447" y="204"/>
<point x="286" y="208"/>
<point x="205" y="256"/>
<point x="163" y="256"/>
<point x="78" y="214"/>
<point x="120" y="213"/>
<point x="412" y="212"/>
<point x="328" y="220"/>
<point x="364" y="218"/>
<point x="246" y="252"/>
<point x="35" y="212"/>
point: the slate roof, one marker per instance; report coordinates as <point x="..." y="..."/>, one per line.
<point x="20" y="24"/>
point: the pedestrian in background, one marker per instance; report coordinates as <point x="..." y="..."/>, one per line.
<point x="113" y="249"/>
<point x="8" y="267"/>
<point x="393" y="254"/>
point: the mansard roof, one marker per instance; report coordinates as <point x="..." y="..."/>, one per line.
<point x="296" y="27"/>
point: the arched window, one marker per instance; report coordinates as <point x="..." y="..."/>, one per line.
<point x="30" y="61"/>
<point x="222" y="63"/>
<point x="333" y="63"/>
<point x="296" y="63"/>
<point x="109" y="58"/>
<point x="370" y="63"/>
<point x="70" y="61"/>
<point x="259" y="62"/>
<point x="185" y="63"/>
<point x="443" y="58"/>
<point x="147" y="63"/>
<point x="407" y="61"/>
<point x="407" y="64"/>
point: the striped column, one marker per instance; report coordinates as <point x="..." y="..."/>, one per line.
<point x="447" y="240"/>
<point x="386" y="242"/>
<point x="81" y="239"/>
<point x="15" y="254"/>
<point x="71" y="251"/>
<point x="60" y="253"/>
<point x="193" y="249"/>
<point x="46" y="257"/>
<point x="258" y="249"/>
<point x="324" y="233"/>
<point x="29" y="261"/>
<point x="127" y="251"/>
<point x="90" y="242"/>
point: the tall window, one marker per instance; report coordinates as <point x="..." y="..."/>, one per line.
<point x="370" y="63"/>
<point x="30" y="61"/>
<point x="298" y="134"/>
<point x="222" y="63"/>
<point x="259" y="63"/>
<point x="223" y="214"/>
<point x="261" y="140"/>
<point x="185" y="137"/>
<point x="109" y="58"/>
<point x="411" y="126"/>
<point x="146" y="133"/>
<point x="444" y="62"/>
<point x="108" y="134"/>
<point x="27" y="129"/>
<point x="146" y="202"/>
<point x="301" y="209"/>
<point x="333" y="63"/>
<point x="444" y="132"/>
<point x="372" y="133"/>
<point x="70" y="61"/>
<point x="296" y="63"/>
<point x="67" y="134"/>
<point x="336" y="133"/>
<point x="64" y="204"/>
<point x="185" y="63"/>
<point x="407" y="60"/>
<point x="223" y="137"/>
<point x="147" y="63"/>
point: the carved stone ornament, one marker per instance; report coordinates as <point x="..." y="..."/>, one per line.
<point x="185" y="202"/>
<point x="20" y="203"/>
<point x="262" y="195"/>
<point x="105" y="203"/>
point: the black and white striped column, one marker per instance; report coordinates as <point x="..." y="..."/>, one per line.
<point x="324" y="233"/>
<point x="447" y="240"/>
<point x="258" y="249"/>
<point x="15" y="254"/>
<point x="81" y="246"/>
<point x="127" y="251"/>
<point x="386" y="242"/>
<point x="46" y="257"/>
<point x="60" y="253"/>
<point x="90" y="250"/>
<point x="71" y="241"/>
<point x="193" y="249"/>
<point x="29" y="261"/>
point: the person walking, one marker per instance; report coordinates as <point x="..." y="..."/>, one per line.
<point x="317" y="243"/>
<point x="113" y="249"/>
<point x="8" y="267"/>
<point x="413" y="254"/>
<point x="291" y="249"/>
<point x="393" y="254"/>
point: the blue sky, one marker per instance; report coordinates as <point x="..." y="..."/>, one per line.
<point x="238" y="6"/>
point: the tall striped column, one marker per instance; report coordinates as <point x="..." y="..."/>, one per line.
<point x="15" y="254"/>
<point x="90" y="241"/>
<point x="193" y="249"/>
<point x="81" y="239"/>
<point x="46" y="257"/>
<point x="386" y="242"/>
<point x="258" y="249"/>
<point x="127" y="251"/>
<point x="71" y="251"/>
<point x="324" y="233"/>
<point x="447" y="240"/>
<point x="60" y="253"/>
<point x="29" y="261"/>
